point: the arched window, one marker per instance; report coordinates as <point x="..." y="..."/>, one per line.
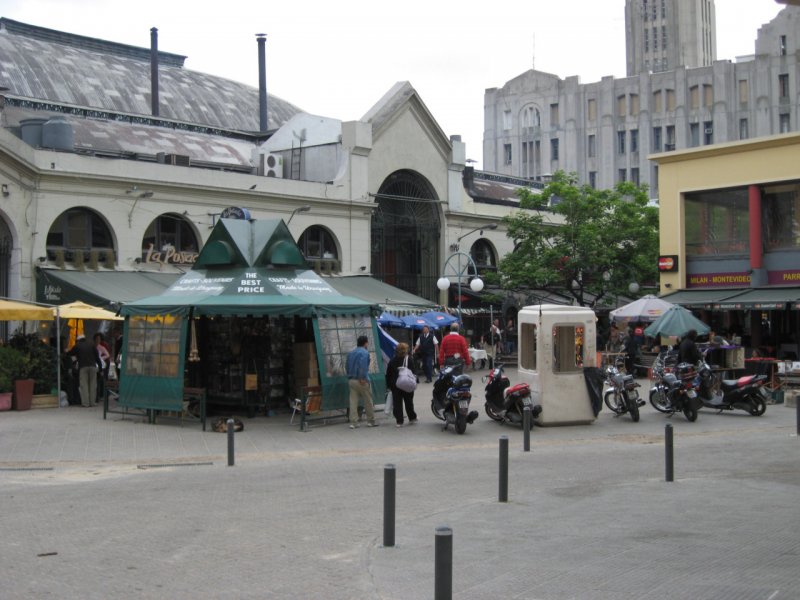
<point x="80" y="235"/>
<point x="319" y="248"/>
<point x="170" y="239"/>
<point x="483" y="255"/>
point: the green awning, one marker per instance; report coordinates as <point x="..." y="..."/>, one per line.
<point x="99" y="288"/>
<point x="701" y="299"/>
<point x="374" y="291"/>
<point x="773" y="298"/>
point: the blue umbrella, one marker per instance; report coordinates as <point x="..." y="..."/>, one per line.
<point x="439" y="319"/>
<point x="417" y="322"/>
<point x="387" y="319"/>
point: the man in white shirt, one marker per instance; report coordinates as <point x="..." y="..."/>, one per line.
<point x="426" y="346"/>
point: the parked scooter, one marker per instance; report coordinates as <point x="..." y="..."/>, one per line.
<point x="674" y="389"/>
<point x="622" y="396"/>
<point x="451" y="397"/>
<point x="745" y="393"/>
<point x="505" y="403"/>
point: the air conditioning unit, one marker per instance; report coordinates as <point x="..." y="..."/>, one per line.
<point x="272" y="165"/>
<point x="179" y="160"/>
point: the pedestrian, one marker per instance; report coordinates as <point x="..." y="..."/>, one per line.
<point x="510" y="333"/>
<point x="687" y="350"/>
<point x="104" y="352"/>
<point x="88" y="361"/>
<point x="632" y="351"/>
<point x="426" y="347"/>
<point x="358" y="380"/>
<point x="453" y="348"/>
<point x="399" y="397"/>
<point x="491" y="340"/>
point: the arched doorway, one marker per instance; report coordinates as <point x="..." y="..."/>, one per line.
<point x="405" y="234"/>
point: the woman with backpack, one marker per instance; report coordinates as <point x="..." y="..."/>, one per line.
<point x="401" y="359"/>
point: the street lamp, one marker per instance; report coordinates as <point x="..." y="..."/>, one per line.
<point x="476" y="285"/>
<point x="455" y="248"/>
<point x="304" y="208"/>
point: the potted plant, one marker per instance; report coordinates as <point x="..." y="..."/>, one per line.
<point x="11" y="364"/>
<point x="37" y="372"/>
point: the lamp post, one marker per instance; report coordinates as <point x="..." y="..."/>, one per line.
<point x="304" y="208"/>
<point x="476" y="285"/>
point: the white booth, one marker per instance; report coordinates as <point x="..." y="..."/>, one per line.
<point x="555" y="344"/>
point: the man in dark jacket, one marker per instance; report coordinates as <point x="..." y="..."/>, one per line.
<point x="426" y="346"/>
<point x="687" y="350"/>
<point x="88" y="362"/>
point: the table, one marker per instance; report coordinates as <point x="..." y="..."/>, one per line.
<point x="477" y="354"/>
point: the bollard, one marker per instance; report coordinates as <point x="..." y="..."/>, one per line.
<point x="668" y="452"/>
<point x="389" y="478"/>
<point x="797" y="410"/>
<point x="443" y="568"/>
<point x="503" y="491"/>
<point x="526" y="428"/>
<point x="230" y="442"/>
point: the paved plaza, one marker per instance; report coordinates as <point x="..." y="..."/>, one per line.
<point x="124" y="509"/>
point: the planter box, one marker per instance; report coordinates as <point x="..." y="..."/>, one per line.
<point x="5" y="400"/>
<point x="23" y="393"/>
<point x="44" y="401"/>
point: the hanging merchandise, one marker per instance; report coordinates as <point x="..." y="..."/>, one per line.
<point x="194" y="354"/>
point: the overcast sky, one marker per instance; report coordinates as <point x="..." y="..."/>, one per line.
<point x="337" y="59"/>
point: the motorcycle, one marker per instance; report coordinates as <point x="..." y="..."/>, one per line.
<point x="674" y="389"/>
<point x="622" y="396"/>
<point x="745" y="393"/>
<point x="451" y="397"/>
<point x="505" y="403"/>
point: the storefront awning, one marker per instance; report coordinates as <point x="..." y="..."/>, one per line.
<point x="107" y="289"/>
<point x="701" y="299"/>
<point x="762" y="299"/>
<point x="389" y="298"/>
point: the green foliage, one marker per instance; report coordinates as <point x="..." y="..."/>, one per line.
<point x="39" y="361"/>
<point x="12" y="364"/>
<point x="608" y="239"/>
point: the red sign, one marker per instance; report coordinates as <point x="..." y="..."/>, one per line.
<point x="783" y="277"/>
<point x="668" y="263"/>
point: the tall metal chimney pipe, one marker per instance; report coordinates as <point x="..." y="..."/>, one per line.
<point x="154" y="71"/>
<point x="263" y="123"/>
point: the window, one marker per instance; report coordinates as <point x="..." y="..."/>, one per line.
<point x="780" y="217"/>
<point x="591" y="109"/>
<point x="155" y="345"/>
<point x="554" y="115"/>
<point x="170" y="240"/>
<point x="506" y="154"/>
<point x="483" y="256"/>
<point x="568" y="348"/>
<point x="694" y="135"/>
<point x="743" y="129"/>
<point x="708" y="133"/>
<point x="647" y="40"/>
<point x="635" y="175"/>
<point x="591" y="146"/>
<point x="654" y="179"/>
<point x="644" y="10"/>
<point x="338" y="335"/>
<point x="694" y="96"/>
<point x="75" y="233"/>
<point x="657" y="107"/>
<point x="655" y="39"/>
<point x="663" y="9"/>
<point x="318" y="243"/>
<point x="593" y="179"/>
<point x="664" y="38"/>
<point x="717" y="223"/>
<point x="622" y="175"/>
<point x="506" y="120"/>
<point x="620" y="142"/>
<point x="784" y="123"/>
<point x="670" y="100"/>
<point x="656" y="139"/>
<point x="708" y="96"/>
<point x="634" y="140"/>
<point x="670" y="143"/>
<point x="530" y="119"/>
<point x="782" y="45"/>
<point x="554" y="149"/>
<point x="527" y="346"/>
<point x="621" y="106"/>
<point x="633" y="104"/>
<point x="744" y="91"/>
<point x="783" y="86"/>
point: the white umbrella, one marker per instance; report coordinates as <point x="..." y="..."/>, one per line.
<point x="646" y="309"/>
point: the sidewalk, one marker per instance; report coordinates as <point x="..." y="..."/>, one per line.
<point x="300" y="515"/>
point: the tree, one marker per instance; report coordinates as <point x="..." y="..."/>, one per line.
<point x="598" y="243"/>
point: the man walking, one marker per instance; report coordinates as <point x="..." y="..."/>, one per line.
<point x="453" y="348"/>
<point x="88" y="361"/>
<point x="426" y="347"/>
<point x="358" y="380"/>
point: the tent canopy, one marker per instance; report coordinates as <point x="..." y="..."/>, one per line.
<point x="81" y="310"/>
<point x="676" y="321"/>
<point x="647" y="308"/>
<point x="99" y="288"/>
<point x="15" y="310"/>
<point x="388" y="297"/>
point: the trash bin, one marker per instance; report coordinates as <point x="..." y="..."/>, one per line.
<point x="23" y="394"/>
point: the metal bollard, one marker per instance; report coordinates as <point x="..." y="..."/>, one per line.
<point x="503" y="491"/>
<point x="668" y="452"/>
<point x="230" y="442"/>
<point x="797" y="410"/>
<point x="526" y="428"/>
<point x="443" y="568"/>
<point x="389" y="478"/>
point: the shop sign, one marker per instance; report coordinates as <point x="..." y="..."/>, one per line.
<point x="235" y="212"/>
<point x="783" y="277"/>
<point x="718" y="280"/>
<point x="170" y="256"/>
<point x="668" y="263"/>
<point x="52" y="293"/>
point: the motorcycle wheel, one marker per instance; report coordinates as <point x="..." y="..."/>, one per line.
<point x="659" y="400"/>
<point x="461" y="423"/>
<point x="491" y="413"/>
<point x="759" y="407"/>
<point x="690" y="413"/>
<point x="633" y="408"/>
<point x="435" y="412"/>
<point x="613" y="402"/>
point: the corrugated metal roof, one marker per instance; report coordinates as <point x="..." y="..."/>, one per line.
<point x="67" y="69"/>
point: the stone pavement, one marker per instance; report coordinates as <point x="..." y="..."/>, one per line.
<point x="121" y="508"/>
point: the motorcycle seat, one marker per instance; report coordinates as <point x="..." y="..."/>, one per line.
<point x="519" y="389"/>
<point x="732" y="384"/>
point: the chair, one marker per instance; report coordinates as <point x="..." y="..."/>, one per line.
<point x="310" y="402"/>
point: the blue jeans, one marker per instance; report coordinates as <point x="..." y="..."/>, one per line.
<point x="427" y="366"/>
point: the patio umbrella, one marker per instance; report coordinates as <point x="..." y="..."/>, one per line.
<point x="14" y="310"/>
<point x="81" y="310"/>
<point x="647" y="309"/>
<point x="439" y="319"/>
<point x="676" y="321"/>
<point x="417" y="322"/>
<point x="387" y="319"/>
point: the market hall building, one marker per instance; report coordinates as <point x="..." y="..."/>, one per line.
<point x="730" y="239"/>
